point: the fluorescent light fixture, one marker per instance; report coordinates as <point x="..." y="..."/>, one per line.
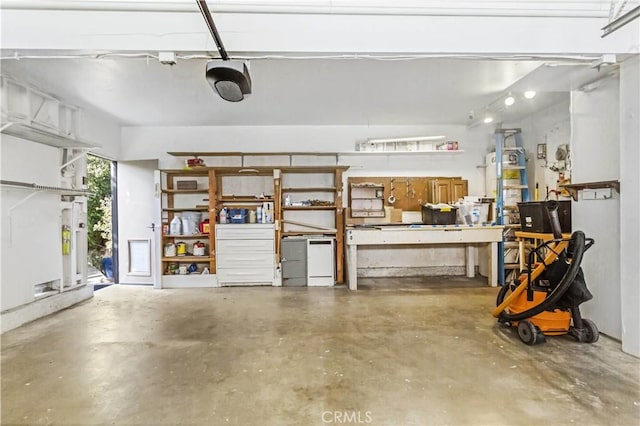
<point x="509" y="100"/>
<point x="530" y="94"/>
<point x="413" y="139"/>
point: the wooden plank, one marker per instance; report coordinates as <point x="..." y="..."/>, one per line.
<point x="245" y="199"/>
<point x="244" y="154"/>
<point x="339" y="227"/>
<point x="297" y="233"/>
<point x="186" y="209"/>
<point x="311" y="189"/>
<point x="309" y="208"/>
<point x="277" y="213"/>
<point x="308" y="225"/>
<point x="185" y="191"/>
<point x="213" y="200"/>
<point x="425" y="235"/>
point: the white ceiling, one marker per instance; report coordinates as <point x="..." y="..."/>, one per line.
<point x="57" y="48"/>
<point x="143" y="92"/>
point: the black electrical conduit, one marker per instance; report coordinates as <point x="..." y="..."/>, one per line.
<point x="579" y="247"/>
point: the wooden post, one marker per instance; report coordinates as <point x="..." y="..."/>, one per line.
<point x="277" y="207"/>
<point x="213" y="194"/>
<point x="339" y="227"/>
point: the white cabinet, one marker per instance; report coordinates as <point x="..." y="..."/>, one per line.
<point x="245" y="254"/>
<point x="320" y="261"/>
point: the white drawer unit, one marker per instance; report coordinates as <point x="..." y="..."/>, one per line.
<point x="242" y="246"/>
<point x="245" y="254"/>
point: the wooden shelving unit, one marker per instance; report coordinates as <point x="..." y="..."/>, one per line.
<point x="176" y="200"/>
<point x="218" y="197"/>
<point x="328" y="181"/>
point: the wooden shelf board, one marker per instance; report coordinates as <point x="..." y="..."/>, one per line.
<point x="186" y="209"/>
<point x="295" y="233"/>
<point x="244" y="200"/>
<point x="312" y="169"/>
<point x="187" y="172"/>
<point x="187" y="236"/>
<point x="188" y="259"/>
<point x="240" y="154"/>
<point x="440" y="151"/>
<point x="311" y="189"/>
<point x="185" y="191"/>
<point x="573" y="188"/>
<point x="308" y="207"/>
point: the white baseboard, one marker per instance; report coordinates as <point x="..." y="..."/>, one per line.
<point x="15" y="317"/>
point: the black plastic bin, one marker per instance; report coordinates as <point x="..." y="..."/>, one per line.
<point x="534" y="217"/>
<point x="438" y="215"/>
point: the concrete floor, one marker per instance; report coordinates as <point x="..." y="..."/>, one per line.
<point x="429" y="353"/>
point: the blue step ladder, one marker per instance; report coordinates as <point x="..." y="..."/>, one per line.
<point x="501" y="136"/>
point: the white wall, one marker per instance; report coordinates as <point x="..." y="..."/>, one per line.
<point x="31" y="222"/>
<point x="31" y="252"/>
<point x="551" y="126"/>
<point x="94" y="126"/>
<point x="105" y="131"/>
<point x="595" y="146"/>
<point x="630" y="204"/>
<point x="154" y="142"/>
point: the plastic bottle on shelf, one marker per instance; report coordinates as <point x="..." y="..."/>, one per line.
<point x="269" y="214"/>
<point x="223" y="215"/>
<point x="259" y="215"/>
<point x="175" y="227"/>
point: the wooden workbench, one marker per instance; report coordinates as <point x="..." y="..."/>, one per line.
<point x="425" y="234"/>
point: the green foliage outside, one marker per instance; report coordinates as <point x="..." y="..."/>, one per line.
<point x="99" y="209"/>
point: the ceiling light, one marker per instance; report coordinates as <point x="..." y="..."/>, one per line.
<point x="509" y="100"/>
<point x="488" y="119"/>
<point x="530" y="94"/>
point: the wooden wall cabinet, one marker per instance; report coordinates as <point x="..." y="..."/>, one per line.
<point x="447" y="190"/>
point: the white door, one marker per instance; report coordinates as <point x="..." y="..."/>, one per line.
<point x="138" y="225"/>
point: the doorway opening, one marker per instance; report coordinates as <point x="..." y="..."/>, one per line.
<point x="100" y="221"/>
